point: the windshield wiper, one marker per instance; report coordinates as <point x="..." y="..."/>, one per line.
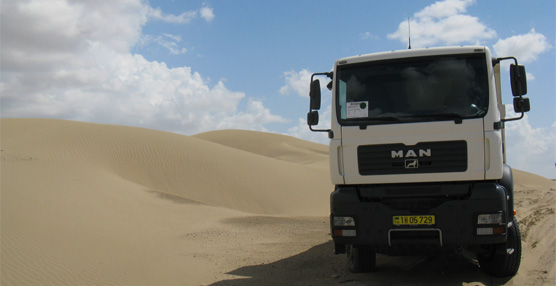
<point x="385" y="118"/>
<point x="458" y="119"/>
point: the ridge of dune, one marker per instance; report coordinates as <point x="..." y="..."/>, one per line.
<point x="184" y="166"/>
<point x="271" y="145"/>
<point x="523" y="178"/>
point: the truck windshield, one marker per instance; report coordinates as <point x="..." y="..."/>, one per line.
<point x="436" y="88"/>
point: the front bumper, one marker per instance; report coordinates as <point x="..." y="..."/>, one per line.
<point x="456" y="218"/>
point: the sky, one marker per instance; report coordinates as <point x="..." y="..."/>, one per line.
<point x="195" y="66"/>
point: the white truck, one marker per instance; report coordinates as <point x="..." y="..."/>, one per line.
<point x="417" y="156"/>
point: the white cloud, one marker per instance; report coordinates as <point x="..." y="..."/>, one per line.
<point x="183" y="18"/>
<point x="186" y="17"/>
<point x="525" y="47"/>
<point x="254" y="118"/>
<point x="176" y="38"/>
<point x="207" y="13"/>
<point x="443" y="9"/>
<point x="40" y="31"/>
<point x="530" y="149"/>
<point x="62" y="59"/>
<point x="167" y="41"/>
<point x="530" y="76"/>
<point x="297" y="82"/>
<point x="367" y="35"/>
<point x="443" y="23"/>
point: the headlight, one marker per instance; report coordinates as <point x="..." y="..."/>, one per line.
<point x="343" y="221"/>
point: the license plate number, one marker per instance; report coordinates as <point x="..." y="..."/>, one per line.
<point x="414" y="220"/>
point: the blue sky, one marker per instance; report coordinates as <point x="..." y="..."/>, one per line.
<point x="195" y="66"/>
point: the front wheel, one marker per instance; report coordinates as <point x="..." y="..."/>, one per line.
<point x="503" y="264"/>
<point x="361" y="259"/>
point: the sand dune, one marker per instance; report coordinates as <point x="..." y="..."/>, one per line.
<point x="191" y="168"/>
<point x="270" y="145"/>
<point x="93" y="204"/>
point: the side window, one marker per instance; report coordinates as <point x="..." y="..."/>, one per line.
<point x="342" y="98"/>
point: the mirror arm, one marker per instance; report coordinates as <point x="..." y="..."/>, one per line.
<point x="328" y="74"/>
<point x="330" y="132"/>
<point x="498" y="60"/>
<point x="515" y="118"/>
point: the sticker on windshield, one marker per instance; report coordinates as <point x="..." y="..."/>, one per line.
<point x="358" y="109"/>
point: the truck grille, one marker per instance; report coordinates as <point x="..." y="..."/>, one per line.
<point x="424" y="157"/>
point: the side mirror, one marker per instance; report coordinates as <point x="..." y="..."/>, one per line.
<point x="314" y="93"/>
<point x="313" y="118"/>
<point x="521" y="104"/>
<point x="518" y="80"/>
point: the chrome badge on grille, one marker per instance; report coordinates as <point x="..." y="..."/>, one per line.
<point x="411" y="163"/>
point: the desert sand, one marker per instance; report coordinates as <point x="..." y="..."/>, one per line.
<point x="94" y="204"/>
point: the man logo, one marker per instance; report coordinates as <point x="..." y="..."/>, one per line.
<point x="411" y="164"/>
<point x="410" y="153"/>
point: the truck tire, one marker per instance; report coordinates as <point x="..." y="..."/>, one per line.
<point x="361" y="259"/>
<point x="503" y="265"/>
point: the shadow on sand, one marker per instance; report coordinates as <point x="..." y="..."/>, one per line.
<point x="318" y="266"/>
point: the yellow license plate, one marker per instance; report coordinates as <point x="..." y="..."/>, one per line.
<point x="414" y="220"/>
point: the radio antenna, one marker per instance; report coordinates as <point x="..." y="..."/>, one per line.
<point x="409" y="33"/>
